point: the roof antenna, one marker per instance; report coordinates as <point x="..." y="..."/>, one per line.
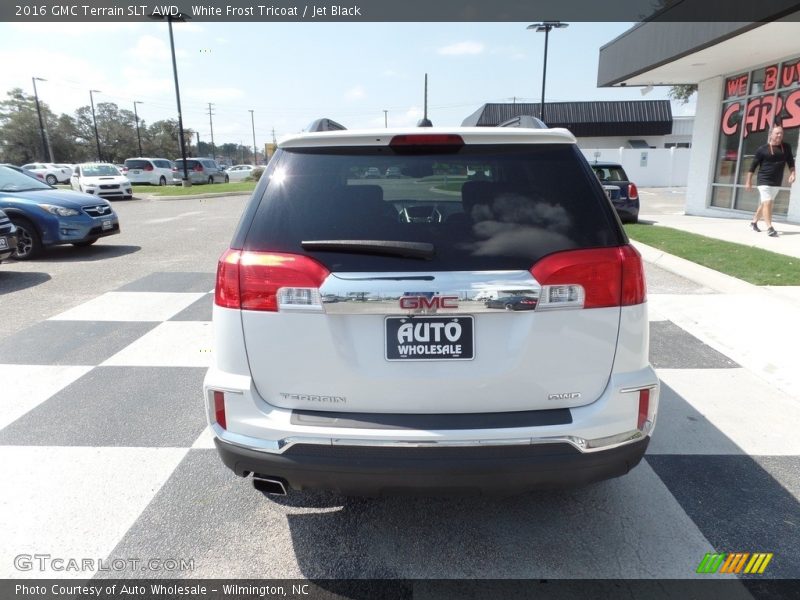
<point x="425" y="121"/>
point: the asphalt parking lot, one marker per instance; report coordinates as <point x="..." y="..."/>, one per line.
<point x="115" y="414"/>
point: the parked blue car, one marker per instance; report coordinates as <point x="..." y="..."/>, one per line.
<point x="46" y="216"/>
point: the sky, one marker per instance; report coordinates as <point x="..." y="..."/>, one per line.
<point x="290" y="74"/>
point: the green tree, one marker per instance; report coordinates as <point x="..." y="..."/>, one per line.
<point x="20" y="134"/>
<point x="682" y="92"/>
<point x="161" y="139"/>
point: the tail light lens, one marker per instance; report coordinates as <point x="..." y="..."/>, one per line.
<point x="594" y="278"/>
<point x="269" y="281"/>
<point x="633" y="192"/>
<point x="124" y="170"/>
<point x="219" y="409"/>
<point x="198" y="167"/>
<point x="644" y="408"/>
<point x="148" y="167"/>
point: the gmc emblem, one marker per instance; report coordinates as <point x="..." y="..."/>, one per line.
<point x="431" y="304"/>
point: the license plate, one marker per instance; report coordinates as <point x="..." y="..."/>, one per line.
<point x="3" y="244"/>
<point x="107" y="224"/>
<point x="136" y="172"/>
<point x="430" y="338"/>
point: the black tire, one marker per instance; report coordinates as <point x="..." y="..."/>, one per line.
<point x="509" y="307"/>
<point x="29" y="244"/>
<point x="227" y="179"/>
<point x="162" y="181"/>
<point x="51" y="179"/>
<point x="210" y="179"/>
<point x="84" y="243"/>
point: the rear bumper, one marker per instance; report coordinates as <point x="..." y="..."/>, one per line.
<point x="8" y="245"/>
<point x="370" y="471"/>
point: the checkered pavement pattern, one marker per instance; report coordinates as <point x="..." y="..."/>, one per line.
<point x="105" y="453"/>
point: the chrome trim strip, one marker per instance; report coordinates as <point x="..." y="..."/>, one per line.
<point x="638" y="388"/>
<point x="581" y="444"/>
<point x="346" y="293"/>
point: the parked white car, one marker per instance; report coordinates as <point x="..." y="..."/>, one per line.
<point x="240" y="172"/>
<point x="101" y="179"/>
<point x="51" y="173"/>
<point x="152" y="171"/>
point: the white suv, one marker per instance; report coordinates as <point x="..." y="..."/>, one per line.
<point x="355" y="349"/>
<point x="153" y="171"/>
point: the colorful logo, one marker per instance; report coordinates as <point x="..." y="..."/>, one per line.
<point x="735" y="562"/>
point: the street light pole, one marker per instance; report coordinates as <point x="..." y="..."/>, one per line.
<point x="386" y="119"/>
<point x="170" y="18"/>
<point x="138" y="135"/>
<point x="545" y="26"/>
<point x="45" y="145"/>
<point x="255" y="151"/>
<point x="94" y="122"/>
<point x="211" y="125"/>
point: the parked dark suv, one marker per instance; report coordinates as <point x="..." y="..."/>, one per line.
<point x="355" y="349"/>
<point x="620" y="190"/>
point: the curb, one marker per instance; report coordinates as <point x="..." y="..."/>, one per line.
<point x="699" y="274"/>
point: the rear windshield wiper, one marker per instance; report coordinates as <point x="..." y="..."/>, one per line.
<point x="391" y="248"/>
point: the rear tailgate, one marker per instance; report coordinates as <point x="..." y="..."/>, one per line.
<point x="390" y="345"/>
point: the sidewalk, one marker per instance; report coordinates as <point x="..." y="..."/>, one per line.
<point x="757" y="326"/>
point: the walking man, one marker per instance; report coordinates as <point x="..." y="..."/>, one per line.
<point x="769" y="161"/>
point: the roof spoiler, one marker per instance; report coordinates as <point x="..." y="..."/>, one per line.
<point x="324" y="125"/>
<point x="524" y="121"/>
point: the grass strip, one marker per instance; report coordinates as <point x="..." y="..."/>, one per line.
<point x="754" y="265"/>
<point x="209" y="188"/>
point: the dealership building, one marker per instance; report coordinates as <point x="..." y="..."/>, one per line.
<point x="748" y="77"/>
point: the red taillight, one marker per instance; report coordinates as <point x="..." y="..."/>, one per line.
<point x="633" y="192"/>
<point x="634" y="288"/>
<point x="198" y="167"/>
<point x="594" y="278"/>
<point x="219" y="409"/>
<point x="251" y="280"/>
<point x="226" y="292"/>
<point x="124" y="170"/>
<point x="427" y="139"/>
<point x="644" y="408"/>
<point x="148" y="167"/>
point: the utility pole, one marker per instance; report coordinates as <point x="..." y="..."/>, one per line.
<point x="211" y="124"/>
<point x="255" y="149"/>
<point x="198" y="143"/>
<point x="138" y="135"/>
<point x="45" y="145"/>
<point x="386" y="119"/>
<point x="94" y="121"/>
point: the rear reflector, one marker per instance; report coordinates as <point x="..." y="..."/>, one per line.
<point x="594" y="278"/>
<point x="219" y="409"/>
<point x="268" y="281"/>
<point x="644" y="408"/>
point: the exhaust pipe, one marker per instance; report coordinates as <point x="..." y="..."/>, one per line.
<point x="269" y="485"/>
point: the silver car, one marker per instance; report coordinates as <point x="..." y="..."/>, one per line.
<point x="201" y="170"/>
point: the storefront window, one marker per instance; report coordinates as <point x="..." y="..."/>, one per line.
<point x="721" y="197"/>
<point x="729" y="142"/>
<point x="753" y="103"/>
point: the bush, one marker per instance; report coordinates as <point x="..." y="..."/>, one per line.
<point x="256" y="173"/>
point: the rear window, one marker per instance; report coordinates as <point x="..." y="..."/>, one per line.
<point x="610" y="174"/>
<point x="137" y="164"/>
<point x="483" y="208"/>
<point x="190" y="164"/>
